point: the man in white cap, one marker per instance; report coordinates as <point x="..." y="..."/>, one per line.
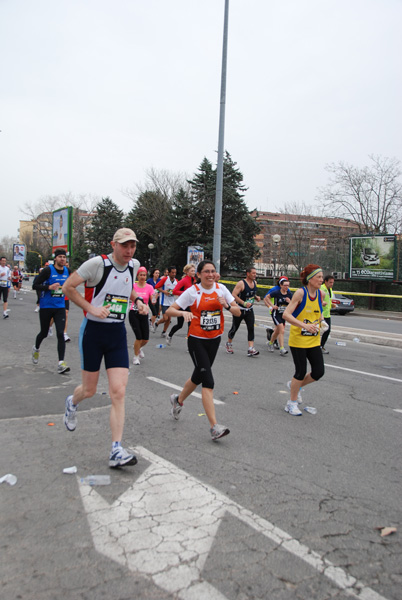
<point x="108" y="290"/>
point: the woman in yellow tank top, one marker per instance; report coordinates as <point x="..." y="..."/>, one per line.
<point x="304" y="314"/>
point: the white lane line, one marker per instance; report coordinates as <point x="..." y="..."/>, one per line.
<point x="397" y="410"/>
<point x="165" y="524"/>
<point x="177" y="387"/>
<point x="364" y="373"/>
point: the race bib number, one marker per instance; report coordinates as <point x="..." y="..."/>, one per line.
<point x="3" y="283"/>
<point x="118" y="306"/>
<point x="305" y="332"/>
<point x="57" y="293"/>
<point x="281" y="309"/>
<point x="210" y="320"/>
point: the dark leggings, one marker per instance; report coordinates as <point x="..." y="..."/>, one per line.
<point x="326" y="333"/>
<point x="59" y="318"/>
<point x="203" y="352"/>
<point x="179" y="324"/>
<point x="315" y="358"/>
<point x="248" y="316"/>
<point x="154" y="306"/>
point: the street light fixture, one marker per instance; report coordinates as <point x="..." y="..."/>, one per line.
<point x="276" y="238"/>
<point x="151" y="246"/>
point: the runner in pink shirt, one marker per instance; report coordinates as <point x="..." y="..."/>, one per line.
<point x="139" y="323"/>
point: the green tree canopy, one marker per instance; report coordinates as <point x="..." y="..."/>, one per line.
<point x="109" y="217"/>
<point x="191" y="221"/>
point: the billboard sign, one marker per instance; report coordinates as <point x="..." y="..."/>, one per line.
<point x="372" y="257"/>
<point x="62" y="229"/>
<point x="19" y="252"/>
<point x="195" y="254"/>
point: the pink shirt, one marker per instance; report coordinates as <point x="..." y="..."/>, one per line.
<point x="144" y="292"/>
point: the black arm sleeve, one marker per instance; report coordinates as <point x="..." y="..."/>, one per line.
<point x="40" y="279"/>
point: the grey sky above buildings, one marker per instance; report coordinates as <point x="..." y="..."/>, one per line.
<point x="95" y="92"/>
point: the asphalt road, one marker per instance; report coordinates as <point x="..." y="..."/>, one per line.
<point x="284" y="507"/>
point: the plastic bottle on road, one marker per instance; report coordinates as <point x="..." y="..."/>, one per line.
<point x="311" y="410"/>
<point x="340" y="343"/>
<point x="96" y="479"/>
<point x="160" y="346"/>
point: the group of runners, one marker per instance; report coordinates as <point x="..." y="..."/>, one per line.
<point x="116" y="286"/>
<point x="10" y="277"/>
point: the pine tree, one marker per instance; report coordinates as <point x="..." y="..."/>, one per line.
<point x="109" y="217"/>
<point x="238" y="248"/>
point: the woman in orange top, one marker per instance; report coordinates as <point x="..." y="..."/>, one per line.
<point x="206" y="301"/>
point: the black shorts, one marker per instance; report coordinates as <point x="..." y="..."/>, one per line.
<point x="139" y="324"/>
<point x="98" y="340"/>
<point x="277" y="318"/>
<point x="4" y="293"/>
<point x="67" y="304"/>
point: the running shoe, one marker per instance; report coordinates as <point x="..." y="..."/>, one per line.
<point x="70" y="416"/>
<point x="50" y="332"/>
<point x="163" y="334"/>
<point x="299" y="395"/>
<point x="136" y="360"/>
<point x="219" y="431"/>
<point x="229" y="347"/>
<point x="252" y="352"/>
<point x="67" y="338"/>
<point x="176" y="406"/>
<point x="283" y="352"/>
<point x="141" y="354"/>
<point x="324" y="351"/>
<point x="168" y="339"/>
<point x="35" y="355"/>
<point x="276" y="345"/>
<point x="120" y="458"/>
<point x="5" y="315"/>
<point x="270" y="331"/>
<point x="62" y="367"/>
<point x="270" y="347"/>
<point x="37" y="309"/>
<point x="293" y="409"/>
<point x="152" y="327"/>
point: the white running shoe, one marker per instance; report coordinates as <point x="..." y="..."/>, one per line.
<point x="141" y="354"/>
<point x="50" y="332"/>
<point x="168" y="339"/>
<point x="67" y="338"/>
<point x="283" y="352"/>
<point x="218" y="431"/>
<point x="136" y="360"/>
<point x="293" y="409"/>
<point x="37" y="309"/>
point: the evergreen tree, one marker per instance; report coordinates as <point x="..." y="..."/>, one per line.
<point x="196" y="216"/>
<point x="148" y="218"/>
<point x="109" y="217"/>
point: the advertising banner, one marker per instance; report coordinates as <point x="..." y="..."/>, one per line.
<point x="195" y="254"/>
<point x="372" y="257"/>
<point x="19" y="252"/>
<point x="62" y="229"/>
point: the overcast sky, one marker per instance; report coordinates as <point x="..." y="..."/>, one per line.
<point x="95" y="92"/>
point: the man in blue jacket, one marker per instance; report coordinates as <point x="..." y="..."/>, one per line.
<point x="52" y="305"/>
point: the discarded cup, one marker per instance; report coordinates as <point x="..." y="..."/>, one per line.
<point x="9" y="478"/>
<point x="356" y="339"/>
<point x="311" y="410"/>
<point x="160" y="346"/>
<point x="70" y="470"/>
<point x="340" y="343"/>
<point x="96" y="480"/>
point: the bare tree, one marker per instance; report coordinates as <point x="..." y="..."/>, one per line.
<point x="165" y="183"/>
<point x="41" y="210"/>
<point x="370" y="196"/>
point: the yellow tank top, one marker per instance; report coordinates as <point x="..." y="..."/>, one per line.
<point x="308" y="311"/>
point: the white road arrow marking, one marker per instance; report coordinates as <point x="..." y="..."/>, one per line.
<point x="165" y="524"/>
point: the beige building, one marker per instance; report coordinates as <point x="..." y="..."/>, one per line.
<point x="288" y="242"/>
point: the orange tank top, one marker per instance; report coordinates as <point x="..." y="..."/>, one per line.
<point x="207" y="310"/>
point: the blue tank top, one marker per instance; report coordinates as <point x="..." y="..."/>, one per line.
<point x="54" y="298"/>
